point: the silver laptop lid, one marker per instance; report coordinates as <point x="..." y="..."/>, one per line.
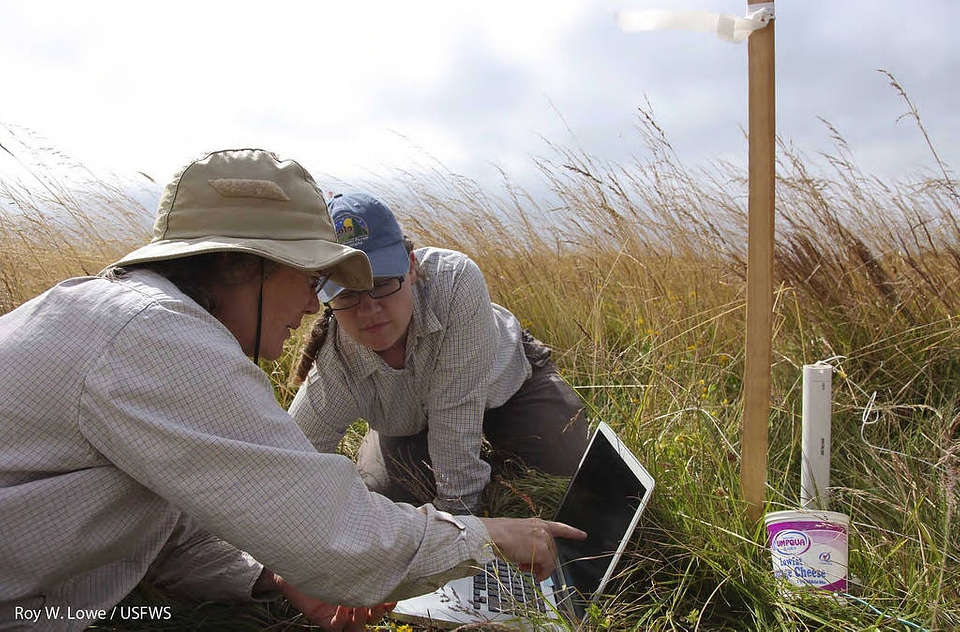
<point x="595" y="502"/>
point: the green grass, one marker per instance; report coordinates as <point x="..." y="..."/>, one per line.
<point x="635" y="273"/>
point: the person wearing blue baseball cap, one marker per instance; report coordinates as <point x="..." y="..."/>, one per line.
<point x="434" y="367"/>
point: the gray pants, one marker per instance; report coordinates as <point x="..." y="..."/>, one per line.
<point x="541" y="427"/>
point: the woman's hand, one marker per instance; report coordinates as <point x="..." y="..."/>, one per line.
<point x="529" y="542"/>
<point x="332" y="618"/>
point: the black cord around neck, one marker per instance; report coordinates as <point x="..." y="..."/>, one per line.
<point x="256" y="344"/>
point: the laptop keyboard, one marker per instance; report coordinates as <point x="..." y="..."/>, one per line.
<point x="502" y="587"/>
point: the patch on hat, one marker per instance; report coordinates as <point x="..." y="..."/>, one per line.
<point x="351" y="229"/>
<point x="262" y="189"/>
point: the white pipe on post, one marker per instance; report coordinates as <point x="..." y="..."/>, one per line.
<point x="815" y="436"/>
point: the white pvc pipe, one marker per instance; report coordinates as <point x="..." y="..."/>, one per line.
<point x="815" y="439"/>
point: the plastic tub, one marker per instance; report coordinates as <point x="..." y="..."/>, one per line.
<point x="809" y="548"/>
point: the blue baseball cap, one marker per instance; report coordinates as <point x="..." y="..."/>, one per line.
<point x="365" y="223"/>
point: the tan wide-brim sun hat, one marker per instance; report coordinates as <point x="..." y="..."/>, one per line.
<point x="249" y="200"/>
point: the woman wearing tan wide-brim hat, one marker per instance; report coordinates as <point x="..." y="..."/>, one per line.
<point x="138" y="440"/>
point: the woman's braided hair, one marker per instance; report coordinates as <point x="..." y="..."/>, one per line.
<point x="318" y="334"/>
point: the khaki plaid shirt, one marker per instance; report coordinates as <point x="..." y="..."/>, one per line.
<point x="126" y="408"/>
<point x="464" y="355"/>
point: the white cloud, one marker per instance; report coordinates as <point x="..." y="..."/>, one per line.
<point x="352" y="88"/>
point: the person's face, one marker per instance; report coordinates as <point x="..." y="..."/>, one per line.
<point x="381" y="324"/>
<point x="288" y="294"/>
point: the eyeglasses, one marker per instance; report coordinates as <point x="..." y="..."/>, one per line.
<point x="318" y="282"/>
<point x="383" y="288"/>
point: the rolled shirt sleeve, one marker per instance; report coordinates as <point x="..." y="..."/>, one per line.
<point x="457" y="395"/>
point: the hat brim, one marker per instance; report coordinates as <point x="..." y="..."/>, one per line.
<point x="389" y="261"/>
<point x="347" y="266"/>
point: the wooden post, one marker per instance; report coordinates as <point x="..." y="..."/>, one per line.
<point x="759" y="327"/>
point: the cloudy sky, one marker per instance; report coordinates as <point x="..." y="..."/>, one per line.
<point x="361" y="88"/>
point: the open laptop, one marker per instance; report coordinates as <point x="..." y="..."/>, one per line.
<point x="605" y="498"/>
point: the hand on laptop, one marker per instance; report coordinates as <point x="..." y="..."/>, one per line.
<point x="529" y="542"/>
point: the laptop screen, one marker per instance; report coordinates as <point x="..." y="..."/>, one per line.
<point x="594" y="502"/>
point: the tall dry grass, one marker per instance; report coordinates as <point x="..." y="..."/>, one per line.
<point x="635" y="273"/>
<point x="57" y="218"/>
